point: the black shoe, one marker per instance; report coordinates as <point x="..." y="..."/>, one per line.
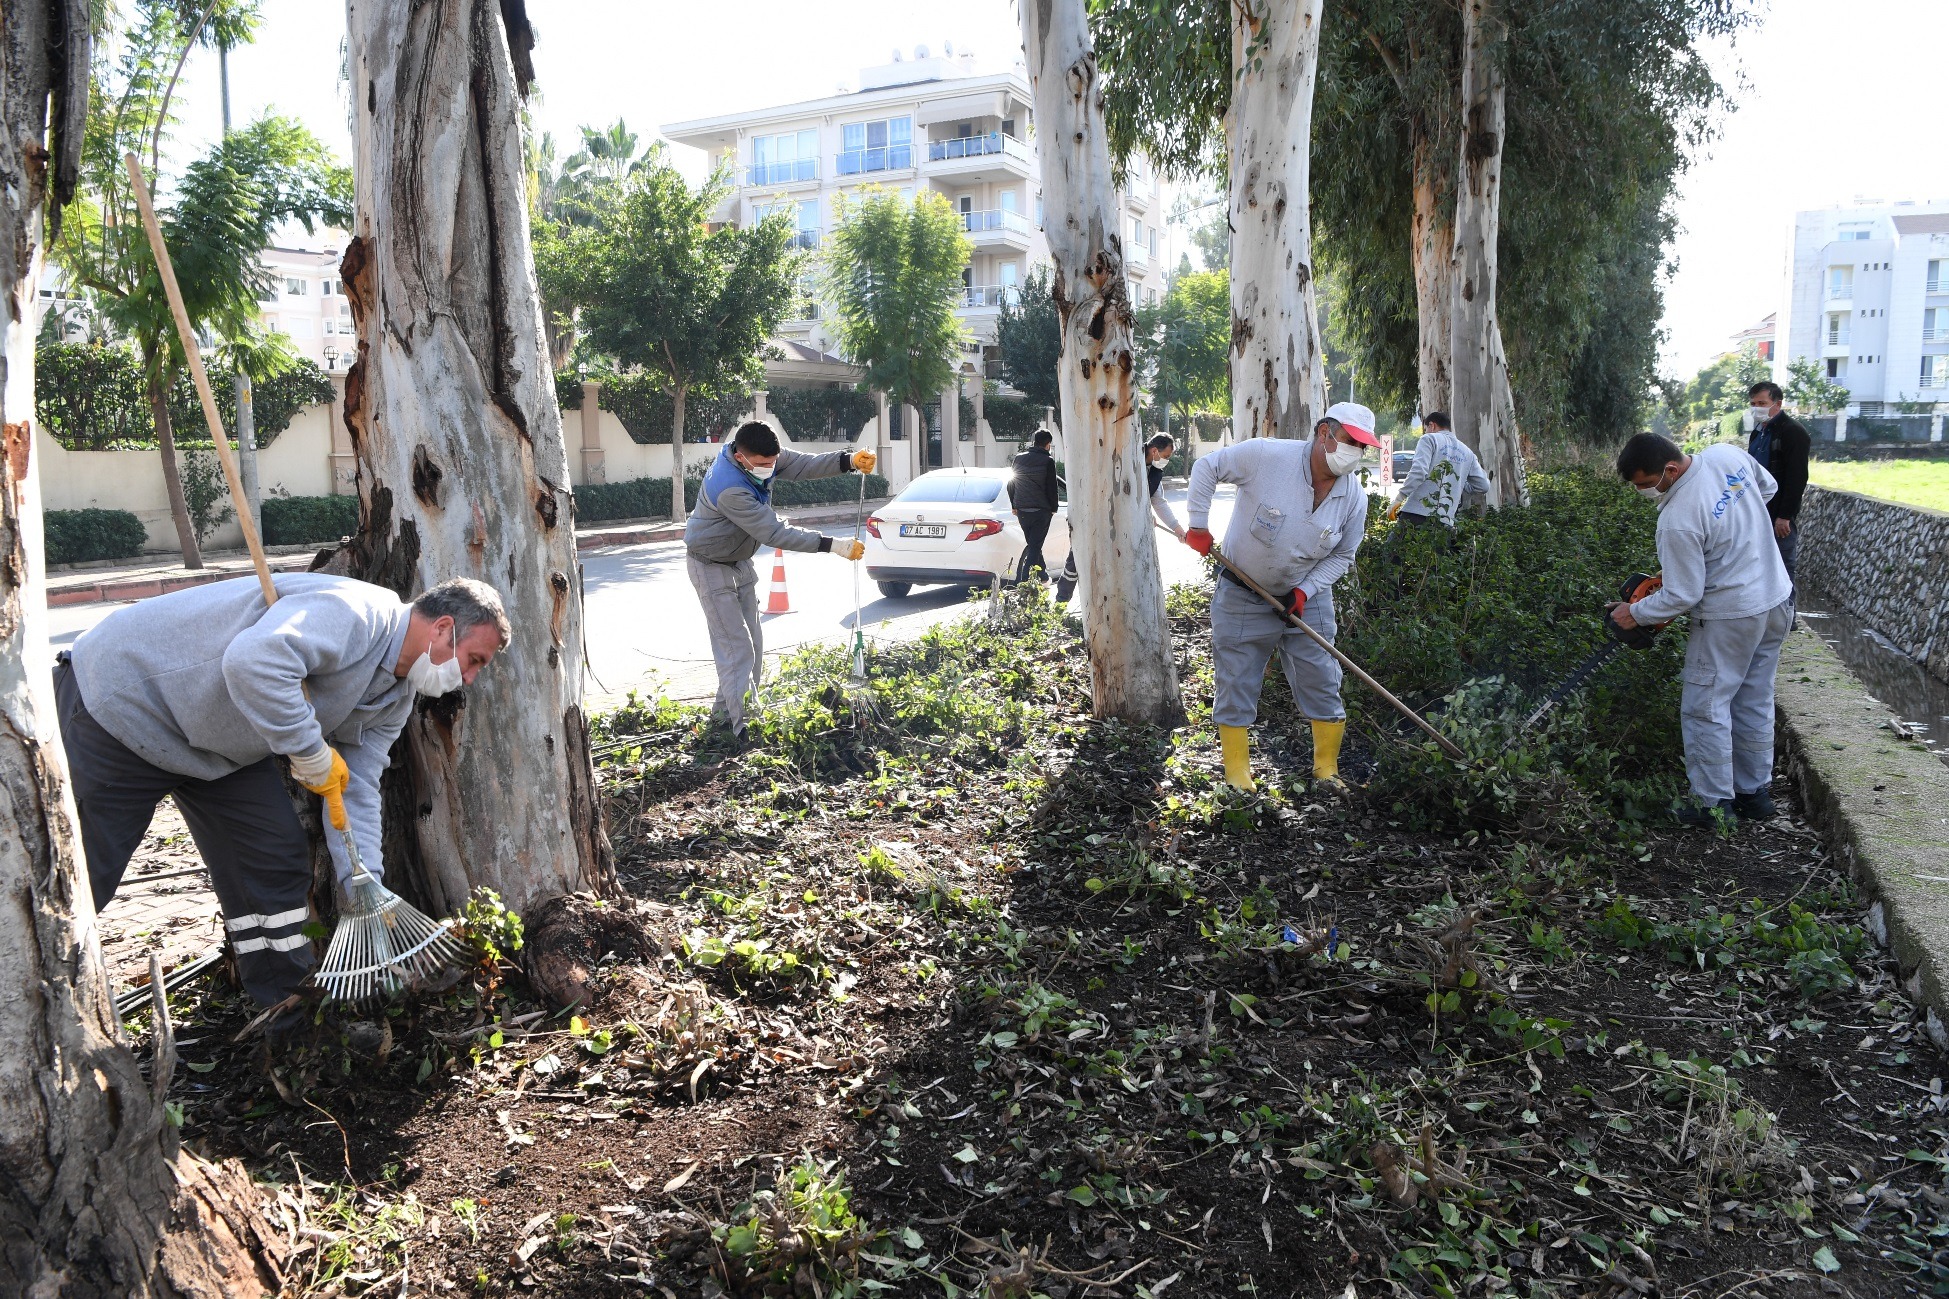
<point x="1756" y="806"/>
<point x="1702" y="817"/>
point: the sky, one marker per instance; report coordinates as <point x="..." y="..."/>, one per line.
<point x="1830" y="101"/>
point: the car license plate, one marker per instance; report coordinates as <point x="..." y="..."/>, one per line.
<point x="923" y="529"/>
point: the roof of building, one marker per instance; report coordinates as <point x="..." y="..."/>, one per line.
<point x="1922" y="223"/>
<point x="703" y="132"/>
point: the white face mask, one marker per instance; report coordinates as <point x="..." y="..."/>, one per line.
<point x="1342" y="459"/>
<point x="762" y="475"/>
<point x="1756" y="416"/>
<point x="1657" y="491"/>
<point x="435" y="679"/>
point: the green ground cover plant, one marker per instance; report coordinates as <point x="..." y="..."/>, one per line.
<point x="76" y="536"/>
<point x="954" y="990"/>
<point x="1906" y="482"/>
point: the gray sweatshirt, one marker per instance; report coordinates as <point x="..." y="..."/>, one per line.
<point x="731" y="521"/>
<point x="205" y="681"/>
<point x="1715" y="542"/>
<point x="1444" y="471"/>
<point x="1276" y="536"/>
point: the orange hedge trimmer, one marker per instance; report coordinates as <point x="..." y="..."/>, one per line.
<point x="1636" y="587"/>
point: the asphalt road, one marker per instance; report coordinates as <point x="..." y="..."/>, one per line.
<point x="646" y="631"/>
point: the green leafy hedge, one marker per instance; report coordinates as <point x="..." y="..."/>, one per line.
<point x="646" y="410"/>
<point x="91" y="397"/>
<point x="76" y="536"/>
<point x="649" y="498"/>
<point x="821" y="412"/>
<point x="305" y="520"/>
<point x="1012" y="419"/>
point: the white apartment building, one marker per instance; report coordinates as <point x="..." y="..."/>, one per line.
<point x="306" y="303"/>
<point x="928" y="122"/>
<point x="1868" y="297"/>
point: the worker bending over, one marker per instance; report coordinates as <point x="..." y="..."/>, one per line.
<point x="1443" y="474"/>
<point x="1721" y="565"/>
<point x="1157" y="453"/>
<point x="734" y="517"/>
<point x="194" y="694"/>
<point x="1296" y="524"/>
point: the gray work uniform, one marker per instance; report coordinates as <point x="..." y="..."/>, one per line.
<point x="1282" y="541"/>
<point x="733" y="519"/>
<point x="195" y="694"/>
<point x="1443" y="474"/>
<point x="1723" y="567"/>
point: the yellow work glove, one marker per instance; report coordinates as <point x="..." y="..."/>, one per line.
<point x="865" y="462"/>
<point x="853" y="550"/>
<point x="1394" y="513"/>
<point x="324" y="773"/>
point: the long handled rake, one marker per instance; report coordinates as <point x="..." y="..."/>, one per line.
<point x="382" y="942"/>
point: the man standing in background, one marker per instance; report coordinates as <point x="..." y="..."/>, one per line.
<point x="1443" y="474"/>
<point x="1780" y="444"/>
<point x="1033" y="495"/>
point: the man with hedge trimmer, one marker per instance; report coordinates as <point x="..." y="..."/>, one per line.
<point x="196" y="693"/>
<point x="1298" y="521"/>
<point x="1722" y="566"/>
<point x="733" y="519"/>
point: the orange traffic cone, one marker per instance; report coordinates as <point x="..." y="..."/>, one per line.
<point x="780" y="602"/>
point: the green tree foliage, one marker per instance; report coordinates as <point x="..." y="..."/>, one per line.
<point x="1029" y="337"/>
<point x="1186" y="343"/>
<point x="91" y="397"/>
<point x="891" y="280"/>
<point x="1720" y="390"/>
<point x="1605" y="100"/>
<point x="571" y="194"/>
<point x="1213" y="238"/>
<point x="658" y="291"/>
<point x="1810" y="390"/>
<point x="1169" y="85"/>
<point x="825" y="412"/>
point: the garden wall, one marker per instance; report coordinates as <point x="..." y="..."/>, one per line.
<point x="1886" y="564"/>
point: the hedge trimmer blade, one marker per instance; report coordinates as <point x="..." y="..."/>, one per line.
<point x="1574" y="682"/>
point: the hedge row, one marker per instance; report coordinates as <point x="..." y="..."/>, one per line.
<point x="649" y="498"/>
<point x="308" y="520"/>
<point x="92" y="397"/>
<point x="77" y="536"/>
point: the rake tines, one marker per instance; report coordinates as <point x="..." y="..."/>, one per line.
<point x="383" y="943"/>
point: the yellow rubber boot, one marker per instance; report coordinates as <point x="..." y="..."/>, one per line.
<point x="1237" y="748"/>
<point x="1326" y="751"/>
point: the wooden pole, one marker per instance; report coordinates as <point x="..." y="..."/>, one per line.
<point x="1448" y="746"/>
<point x="201" y="379"/>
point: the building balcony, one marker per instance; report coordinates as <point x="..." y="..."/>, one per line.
<point x="860" y="162"/>
<point x="759" y="175"/>
<point x="976" y="157"/>
<point x="998" y="227"/>
<point x="1137" y="257"/>
<point x="806" y="239"/>
<point x="990" y="297"/>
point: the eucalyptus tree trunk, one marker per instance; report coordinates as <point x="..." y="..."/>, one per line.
<point x="94" y="1197"/>
<point x="1483" y="406"/>
<point x="1278" y="370"/>
<point x="463" y="471"/>
<point x="1132" y="675"/>
<point x="679" y="508"/>
<point x="172" y="474"/>
<point x="1432" y="251"/>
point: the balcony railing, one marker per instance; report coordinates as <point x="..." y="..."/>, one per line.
<point x="782" y="173"/>
<point x="894" y="157"/>
<point x="1136" y="254"/>
<point x="995" y="219"/>
<point x="990" y="295"/>
<point x="1940" y="285"/>
<point x="976" y="146"/>
<point x="1840" y="292"/>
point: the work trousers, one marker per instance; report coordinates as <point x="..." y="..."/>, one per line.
<point x="1726" y="711"/>
<point x="245" y="829"/>
<point x="1245" y="631"/>
<point x="1790" y="548"/>
<point x="1035" y="530"/>
<point x="729" y="594"/>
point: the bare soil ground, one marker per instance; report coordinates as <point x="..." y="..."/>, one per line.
<point x="963" y="993"/>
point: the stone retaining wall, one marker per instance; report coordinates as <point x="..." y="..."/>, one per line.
<point x="1886" y="564"/>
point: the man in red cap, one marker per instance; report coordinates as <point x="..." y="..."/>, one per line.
<point x="1297" y="522"/>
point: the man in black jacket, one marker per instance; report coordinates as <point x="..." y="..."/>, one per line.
<point x="1780" y="443"/>
<point x="1032" y="495"/>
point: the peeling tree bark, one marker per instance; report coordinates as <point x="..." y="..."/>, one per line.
<point x="94" y="1198"/>
<point x="1433" y="251"/>
<point x="463" y="471"/>
<point x="1483" y="407"/>
<point x="1132" y="675"/>
<point x="1278" y="370"/>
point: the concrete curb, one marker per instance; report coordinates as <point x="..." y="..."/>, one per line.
<point x="141" y="587"/>
<point x="1882" y="803"/>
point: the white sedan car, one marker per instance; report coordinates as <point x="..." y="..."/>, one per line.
<point x="954" y="527"/>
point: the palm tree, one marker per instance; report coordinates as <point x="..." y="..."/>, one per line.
<point x="253" y="355"/>
<point x="227" y="204"/>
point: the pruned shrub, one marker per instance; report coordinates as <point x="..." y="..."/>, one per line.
<point x="821" y="413"/>
<point x="307" y="520"/>
<point x="77" y="536"/>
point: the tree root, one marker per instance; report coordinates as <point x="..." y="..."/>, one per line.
<point x="569" y="935"/>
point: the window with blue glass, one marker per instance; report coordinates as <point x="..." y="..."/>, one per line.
<point x="885" y="145"/>
<point x="782" y="159"/>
